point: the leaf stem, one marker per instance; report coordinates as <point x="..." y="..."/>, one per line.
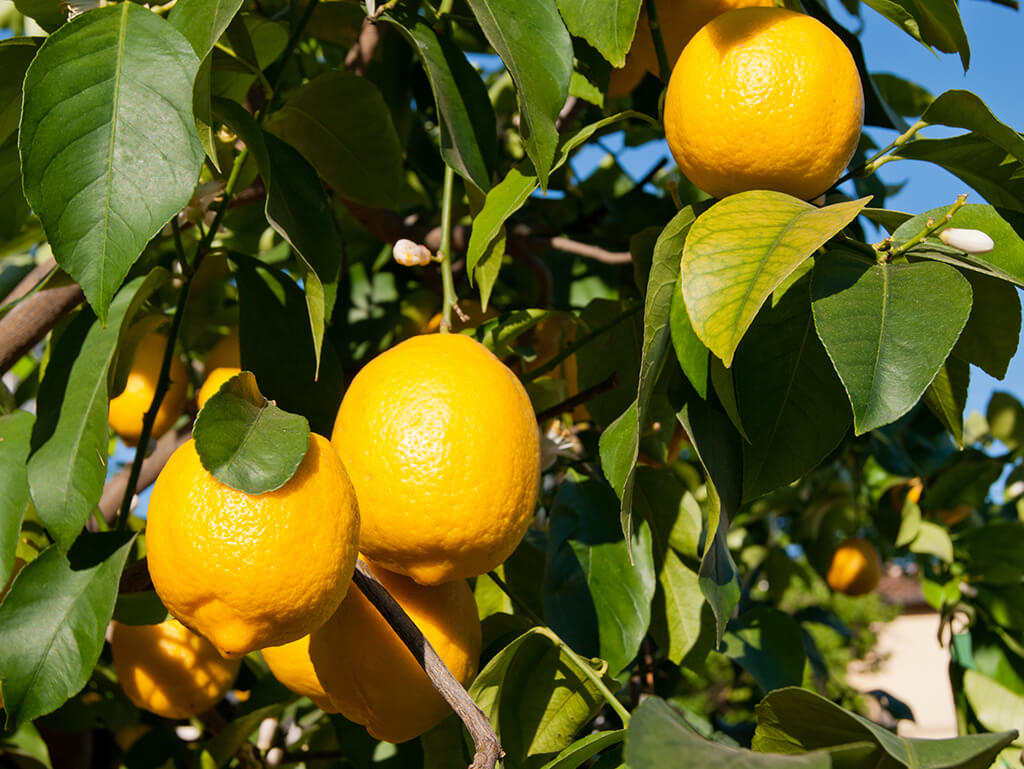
<point x="580" y="342"/>
<point x="882" y="157"/>
<point x="521" y="607"/>
<point x="664" y="66"/>
<point x="589" y="672"/>
<point x="445" y="8"/>
<point x="886" y="252"/>
<point x="445" y="252"/>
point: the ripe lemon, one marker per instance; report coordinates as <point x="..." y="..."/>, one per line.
<point x="128" y="408"/>
<point x="356" y="665"/>
<point x="679" y="21"/>
<point x="764" y="98"/>
<point x="855" y="568"/>
<point x="169" y="670"/>
<point x="249" y="571"/>
<point x="224" y="354"/>
<point x="213" y="383"/>
<point x="441" y="444"/>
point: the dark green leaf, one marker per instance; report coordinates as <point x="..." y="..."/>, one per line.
<point x="49" y="14"/>
<point x="992" y="553"/>
<point x="15" y="434"/>
<point x="68" y="465"/>
<point x="468" y="129"/>
<point x="888" y="328"/>
<point x="14" y="209"/>
<point x="1005" y="416"/>
<point x="718" y="448"/>
<point x="15" y="56"/>
<point x="946" y="396"/>
<point x="202" y="22"/>
<point x="962" y="109"/>
<point x="741" y="249"/>
<point x="792" y="403"/>
<point x="585" y="748"/>
<point x="202" y="110"/>
<point x="535" y="46"/>
<point x="768" y="644"/>
<point x="691" y="353"/>
<point x="934" y="23"/>
<point x="658" y="738"/>
<point x="620" y="443"/>
<point x="796" y="720"/>
<point x="53" y="621"/>
<point x="341" y="125"/>
<point x="108" y="143"/>
<point x="277" y="347"/>
<point x="141" y="608"/>
<point x="298" y="209"/>
<point x="984" y="165"/>
<point x="906" y="98"/>
<point x="245" y="441"/>
<point x="989" y="340"/>
<point x="585" y="515"/>
<point x="535" y="696"/>
<point x="608" y="25"/>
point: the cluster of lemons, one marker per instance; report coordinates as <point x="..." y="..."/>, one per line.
<point x="412" y="478"/>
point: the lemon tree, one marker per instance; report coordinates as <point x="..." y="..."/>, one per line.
<point x="634" y="462"/>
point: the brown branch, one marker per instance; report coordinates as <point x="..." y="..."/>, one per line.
<point x="30" y="281"/>
<point x="113" y="491"/>
<point x="581" y="397"/>
<point x="357" y="60"/>
<point x="485" y="741"/>
<point x="570" y="246"/>
<point x="25" y="325"/>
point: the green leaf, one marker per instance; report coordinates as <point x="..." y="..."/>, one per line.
<point x="245" y="441"/>
<point x="49" y="14"/>
<point x="585" y="748"/>
<point x="620" y="443"/>
<point x="905" y="97"/>
<point x="535" y="697"/>
<point x="202" y="22"/>
<point x="535" y="47"/>
<point x="468" y="128"/>
<point x="15" y="55"/>
<point x="14" y="209"/>
<point x="15" y="434"/>
<point x="608" y="25"/>
<point x="140" y="608"/>
<point x="53" y="621"/>
<point x="886" y="342"/>
<point x="718" y="449"/>
<point x="202" y="110"/>
<point x="276" y="346"/>
<point x="989" y="340"/>
<point x="68" y="465"/>
<point x="996" y="707"/>
<point x="933" y="22"/>
<point x="796" y="720"/>
<point x="108" y="144"/>
<point x="691" y="353"/>
<point x="658" y="738"/>
<point x="963" y="109"/>
<point x="341" y="125"/>
<point x="946" y="396"/>
<point x="768" y="644"/>
<point x="741" y="249"/>
<point x="976" y="160"/>
<point x="792" y="403"/>
<point x="586" y="513"/>
<point x="223" y="746"/>
<point x="1005" y="416"/>
<point x="992" y="553"/>
<point x="1004" y="261"/>
<point x="298" y="209"/>
<point x="26" y="743"/>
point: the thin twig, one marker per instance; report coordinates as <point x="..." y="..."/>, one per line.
<point x="485" y="741"/>
<point x="358" y="58"/>
<point x="581" y="397"/>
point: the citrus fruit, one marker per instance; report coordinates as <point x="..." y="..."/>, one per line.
<point x="356" y="665"/>
<point x="764" y="98"/>
<point x="441" y="444"/>
<point x="855" y="568"/>
<point x="169" y="670"/>
<point x="248" y="571"/>
<point x="224" y="354"/>
<point x="128" y="408"/>
<point x="679" y="21"/>
<point x="213" y="383"/>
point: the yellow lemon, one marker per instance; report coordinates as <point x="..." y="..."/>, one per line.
<point x="356" y="665"/>
<point x="442" y="446"/>
<point x="213" y="383"/>
<point x="128" y="408"/>
<point x="855" y="568"/>
<point x="248" y="571"/>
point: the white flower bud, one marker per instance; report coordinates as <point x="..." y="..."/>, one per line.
<point x="188" y="733"/>
<point x="266" y="732"/>
<point x="274" y="756"/>
<point x="410" y="254"/>
<point x="968" y="241"/>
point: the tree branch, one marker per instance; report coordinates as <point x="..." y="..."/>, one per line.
<point x="25" y="325"/>
<point x="357" y="60"/>
<point x="485" y="741"/>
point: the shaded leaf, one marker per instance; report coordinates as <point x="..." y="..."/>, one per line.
<point x="792" y="403"/>
<point x="67" y="468"/>
<point x="608" y="25"/>
<point x="990" y="336"/>
<point x="468" y="129"/>
<point x="888" y="328"/>
<point x="14" y="209"/>
<point x="341" y="125"/>
<point x="691" y="353"/>
<point x="963" y="109"/>
<point x="15" y="435"/>
<point x="905" y="97"/>
<point x="140" y="608"/>
<point x="585" y="748"/>
<point x="245" y="441"/>
<point x="108" y="143"/>
<point x="535" y="47"/>
<point x="946" y="396"/>
<point x="1005" y="416"/>
<point x="48" y="14"/>
<point x="53" y="621"/>
<point x="768" y="644"/>
<point x="202" y="22"/>
<point x="741" y="249"/>
<point x="16" y="54"/>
